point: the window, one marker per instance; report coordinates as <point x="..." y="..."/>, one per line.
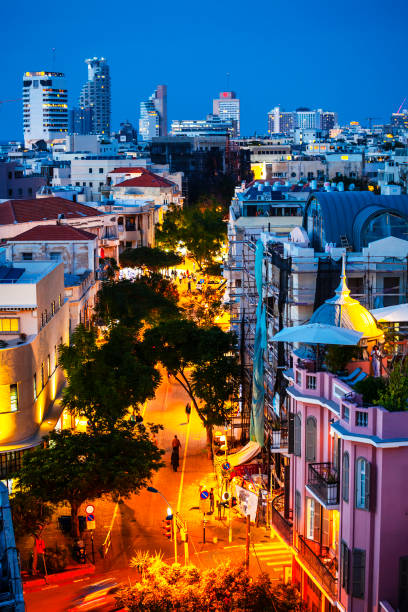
<point x="55" y="357"/>
<point x="42" y="319"/>
<point x="13" y="398"/>
<point x="358" y="573"/>
<point x="362" y="484"/>
<point x="42" y="376"/>
<point x="311" y="438"/>
<point x="298" y="505"/>
<point x="48" y="366"/>
<point x="30" y="191"/>
<point x="100" y="170"/>
<point x="56" y="256"/>
<point x="310" y="382"/>
<point x="52" y="309"/>
<point x="90" y="183"/>
<point x="10" y="192"/>
<point x="90" y="170"/>
<point x="35" y="386"/>
<point x="345" y="567"/>
<point x="45" y="316"/>
<point x="20" y="191"/>
<point x="9" y="326"/>
<point x="313" y="519"/>
<point x="346" y="413"/>
<point x="356" y="286"/>
<point x="297" y="435"/>
<point x="298" y="377"/>
<point x="27" y="256"/>
<point x="346" y="476"/>
<point x="59" y="300"/>
<point x="361" y="419"/>
<point x="238" y="283"/>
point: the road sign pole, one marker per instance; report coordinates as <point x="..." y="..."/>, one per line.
<point x="229" y="520"/>
<point x="175" y="537"/>
<point x="203" y="527"/>
<point x="92" y="548"/>
<point x="248" y="530"/>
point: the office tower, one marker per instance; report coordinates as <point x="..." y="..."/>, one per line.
<point x="45" y="106"/>
<point x="153" y="115"/>
<point x="96" y="95"/>
<point x="213" y="125"/>
<point x="308" y="119"/>
<point x="80" y="120"/>
<point x="227" y="107"/>
<point x="281" y="122"/>
<point x="328" y="120"/>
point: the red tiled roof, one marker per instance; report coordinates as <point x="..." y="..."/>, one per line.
<point x="53" y="233"/>
<point x="147" y="179"/>
<point x="41" y="209"/>
<point x="128" y="170"/>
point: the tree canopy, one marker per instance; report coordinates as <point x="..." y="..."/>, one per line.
<point x="105" y="380"/>
<point x="78" y="467"/>
<point x="132" y="302"/>
<point x="200" y="230"/>
<point x="152" y="258"/>
<point x="222" y="588"/>
<point x="30" y="514"/>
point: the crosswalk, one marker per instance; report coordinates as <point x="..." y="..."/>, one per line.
<point x="274" y="557"/>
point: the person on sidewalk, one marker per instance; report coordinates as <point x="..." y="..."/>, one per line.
<point x="174" y="459"/>
<point x="175" y="445"/>
<point x="211" y="500"/>
<point x="188" y="411"/>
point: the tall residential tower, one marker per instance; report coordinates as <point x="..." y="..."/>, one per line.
<point x="45" y="107"/>
<point x="227" y="107"/>
<point x="96" y="95"/>
<point x="153" y="115"/>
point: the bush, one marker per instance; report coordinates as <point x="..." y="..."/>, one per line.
<point x="337" y="357"/>
<point x="370" y="388"/>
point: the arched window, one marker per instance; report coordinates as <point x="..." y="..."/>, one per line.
<point x="298" y="435"/>
<point x="362" y="484"/>
<point x="383" y="225"/>
<point x="346" y="476"/>
<point x="311" y="438"/>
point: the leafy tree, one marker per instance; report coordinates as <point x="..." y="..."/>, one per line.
<point x="203" y="361"/>
<point x="105" y="380"/>
<point x="77" y="467"/>
<point x="395" y="395"/>
<point x="151" y="258"/>
<point x="222" y="588"/>
<point x="131" y="303"/>
<point x="163" y="286"/>
<point x="204" y="307"/>
<point x="109" y="266"/>
<point x="30" y="514"/>
<point x="201" y="231"/>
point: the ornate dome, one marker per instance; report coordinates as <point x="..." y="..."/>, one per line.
<point x="343" y="311"/>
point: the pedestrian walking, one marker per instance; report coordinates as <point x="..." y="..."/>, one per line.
<point x="189" y="286"/>
<point x="175" y="459"/>
<point x="211" y="500"/>
<point x="175" y="444"/>
<point x="188" y="411"/>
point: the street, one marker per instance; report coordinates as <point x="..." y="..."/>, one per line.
<point x="138" y="522"/>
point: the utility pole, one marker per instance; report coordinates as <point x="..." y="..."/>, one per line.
<point x="175" y="536"/>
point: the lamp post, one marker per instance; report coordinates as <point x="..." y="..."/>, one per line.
<point x="174" y="518"/>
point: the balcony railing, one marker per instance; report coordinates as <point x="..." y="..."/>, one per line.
<point x="279" y="439"/>
<point x="323" y="575"/>
<point x="282" y="525"/>
<point x="324" y="482"/>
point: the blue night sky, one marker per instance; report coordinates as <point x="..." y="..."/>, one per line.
<point x="345" y="56"/>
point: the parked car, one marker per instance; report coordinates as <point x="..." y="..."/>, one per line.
<point x="97" y="596"/>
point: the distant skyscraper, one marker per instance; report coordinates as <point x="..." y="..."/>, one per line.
<point x="96" y="95"/>
<point x="329" y="120"/>
<point x="80" y="120"/>
<point x="213" y="125"/>
<point x="281" y="122"/>
<point x="45" y="106"/>
<point x="153" y="115"/>
<point x="227" y="107"/>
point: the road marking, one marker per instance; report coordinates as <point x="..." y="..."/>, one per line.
<point x="183" y="466"/>
<point x="50" y="586"/>
<point x="234" y="546"/>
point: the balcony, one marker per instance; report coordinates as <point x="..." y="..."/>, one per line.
<point x="282" y="525"/>
<point x="323" y="481"/>
<point x="323" y="568"/>
<point x="279" y="440"/>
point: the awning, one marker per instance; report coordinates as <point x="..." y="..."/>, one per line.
<point x="248" y="452"/>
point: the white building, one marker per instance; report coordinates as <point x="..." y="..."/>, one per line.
<point x="153" y="115"/>
<point x="96" y="95"/>
<point x="45" y="107"/>
<point x="227" y="107"/>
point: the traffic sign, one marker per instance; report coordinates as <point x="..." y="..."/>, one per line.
<point x="90" y="517"/>
<point x="204" y="494"/>
<point x="90" y="509"/>
<point x="226" y="466"/>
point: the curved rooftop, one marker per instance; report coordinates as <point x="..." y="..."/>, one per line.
<point x="344" y="311"/>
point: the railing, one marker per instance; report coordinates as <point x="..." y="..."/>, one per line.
<point x="279" y="438"/>
<point x="317" y="567"/>
<point x="282" y="525"/>
<point x="324" y="482"/>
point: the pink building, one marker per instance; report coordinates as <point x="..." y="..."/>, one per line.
<point x="344" y="510"/>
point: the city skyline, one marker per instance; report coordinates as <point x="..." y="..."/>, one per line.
<point x="308" y="62"/>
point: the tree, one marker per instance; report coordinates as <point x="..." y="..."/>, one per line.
<point x="77" y="467"/>
<point x="131" y="303"/>
<point x="222" y="588"/>
<point x="202" y="231"/>
<point x="30" y="514"/>
<point x="395" y="395"/>
<point x="204" y="307"/>
<point x="203" y="361"/>
<point x="151" y="258"/>
<point x="105" y="381"/>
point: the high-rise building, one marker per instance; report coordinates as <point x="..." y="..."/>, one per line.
<point x="227" y="107"/>
<point x="281" y="122"/>
<point x="80" y="120"/>
<point x="96" y="95"/>
<point x="45" y="106"/>
<point x="328" y="120"/>
<point x="213" y="125"/>
<point x="153" y="115"/>
<point x="308" y="119"/>
<point x="400" y="119"/>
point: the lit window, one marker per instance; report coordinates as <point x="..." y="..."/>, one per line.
<point x="35" y="386"/>
<point x="9" y="326"/>
<point x="48" y="366"/>
<point x="13" y="398"/>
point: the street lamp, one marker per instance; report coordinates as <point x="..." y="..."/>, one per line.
<point x="169" y="513"/>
